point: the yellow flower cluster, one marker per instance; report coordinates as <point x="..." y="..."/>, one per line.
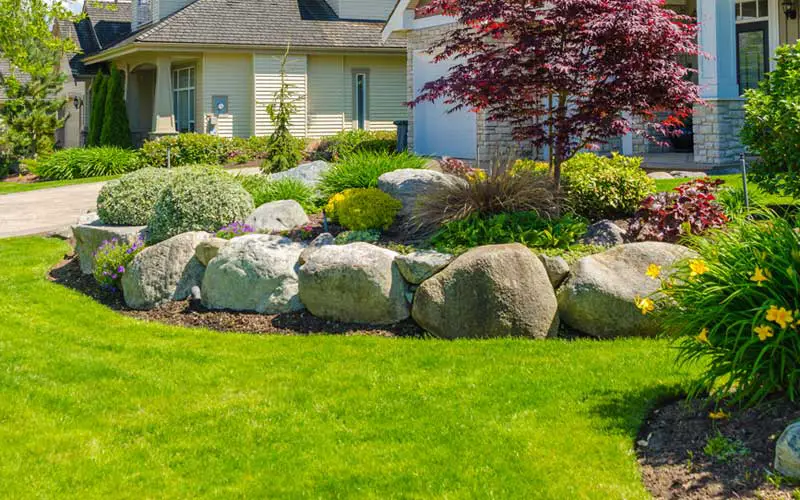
<point x="646" y="305"/>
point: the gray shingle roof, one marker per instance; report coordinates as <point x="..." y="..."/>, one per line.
<point x="110" y="21"/>
<point x="302" y="23"/>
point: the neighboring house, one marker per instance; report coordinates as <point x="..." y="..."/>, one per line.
<point x="105" y="22"/>
<point x="213" y="66"/>
<point x="739" y="35"/>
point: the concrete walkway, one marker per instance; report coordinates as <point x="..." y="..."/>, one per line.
<point x="46" y="211"/>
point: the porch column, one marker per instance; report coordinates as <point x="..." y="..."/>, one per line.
<point x="717" y="123"/>
<point x="163" y="115"/>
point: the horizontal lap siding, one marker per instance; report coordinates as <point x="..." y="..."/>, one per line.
<point x="231" y="75"/>
<point x="377" y="10"/>
<point x="267" y="83"/>
<point x="326" y="95"/>
<point x="387" y="89"/>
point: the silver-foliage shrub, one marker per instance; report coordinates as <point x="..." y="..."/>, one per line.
<point x="129" y="200"/>
<point x="198" y="199"/>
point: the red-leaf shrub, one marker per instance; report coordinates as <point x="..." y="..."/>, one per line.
<point x="690" y="208"/>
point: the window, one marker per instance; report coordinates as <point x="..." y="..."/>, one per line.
<point x="751" y="10"/>
<point x="360" y="99"/>
<point x="752" y="42"/>
<point x="183" y="98"/>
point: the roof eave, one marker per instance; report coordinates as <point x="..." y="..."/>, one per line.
<point x="397" y="19"/>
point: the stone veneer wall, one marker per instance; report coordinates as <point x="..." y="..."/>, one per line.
<point x="716" y="131"/>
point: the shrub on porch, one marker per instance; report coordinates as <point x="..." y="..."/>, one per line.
<point x="129" y="200"/>
<point x="198" y="199"/>
<point x="352" y="141"/>
<point x="99" y="86"/>
<point x="772" y="124"/>
<point x="362" y="170"/>
<point x="78" y="163"/>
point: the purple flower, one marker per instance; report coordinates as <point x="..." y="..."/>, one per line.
<point x="113" y="276"/>
<point x="121" y="269"/>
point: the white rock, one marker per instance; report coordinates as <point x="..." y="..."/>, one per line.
<point x="278" y="216"/>
<point x="416" y="267"/>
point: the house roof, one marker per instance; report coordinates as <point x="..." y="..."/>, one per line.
<point x="272" y="23"/>
<point x="5" y="69"/>
<point x="104" y="24"/>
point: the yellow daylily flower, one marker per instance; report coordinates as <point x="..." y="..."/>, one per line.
<point x="654" y="271"/>
<point x="760" y="275"/>
<point x="718" y="415"/>
<point x="703" y="336"/>
<point x="645" y="305"/>
<point x="764" y="332"/>
<point x="782" y="316"/>
<point x="698" y="267"/>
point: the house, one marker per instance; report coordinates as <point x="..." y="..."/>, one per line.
<point x="739" y="35"/>
<point x="212" y="66"/>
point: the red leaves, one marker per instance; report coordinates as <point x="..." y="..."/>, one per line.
<point x="608" y="60"/>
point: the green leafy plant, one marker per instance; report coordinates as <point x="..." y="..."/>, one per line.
<point x="116" y="129"/>
<point x="362" y="209"/>
<point x="186" y="149"/>
<point x="79" y="163"/>
<point x="130" y="200"/>
<point x="364" y="236"/>
<point x="284" y="150"/>
<point x="483" y="195"/>
<point x="734" y="309"/>
<point x="362" y="170"/>
<point x="527" y="228"/>
<point x="772" y="124"/>
<point x="348" y="142"/>
<point x="599" y="187"/>
<point x="722" y="449"/>
<point x="266" y="190"/>
<point x="99" y="91"/>
<point x="112" y="260"/>
<point x="198" y="199"/>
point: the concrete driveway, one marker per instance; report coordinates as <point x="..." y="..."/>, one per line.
<point x="46" y="210"/>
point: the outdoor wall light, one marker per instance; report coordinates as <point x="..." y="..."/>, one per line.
<point x="789" y="9"/>
<point x="77" y="102"/>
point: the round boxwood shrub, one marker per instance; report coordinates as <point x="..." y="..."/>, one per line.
<point x="363" y="209"/>
<point x="129" y="200"/>
<point x="198" y="199"/>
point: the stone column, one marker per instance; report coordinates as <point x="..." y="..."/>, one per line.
<point x="717" y="124"/>
<point x="163" y="115"/>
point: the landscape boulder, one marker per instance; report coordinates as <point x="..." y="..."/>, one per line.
<point x="787" y="452"/>
<point x="356" y="283"/>
<point x="604" y="233"/>
<point x="89" y="237"/>
<point x="599" y="297"/>
<point x="416" y="267"/>
<point x="557" y="269"/>
<point x="208" y="249"/>
<point x="490" y="291"/>
<point x="320" y="241"/>
<point x="278" y="216"/>
<point x="410" y="185"/>
<point x="165" y="271"/>
<point x="308" y="173"/>
<point x="255" y="273"/>
<point x="660" y="175"/>
<point x="688" y="174"/>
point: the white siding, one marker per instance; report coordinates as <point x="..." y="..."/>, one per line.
<point x="326" y="95"/>
<point x="378" y="10"/>
<point x="386" y="93"/>
<point x="230" y="75"/>
<point x="267" y="83"/>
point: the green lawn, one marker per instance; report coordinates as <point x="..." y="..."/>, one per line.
<point x="17" y="187"/>
<point x="734" y="181"/>
<point x="97" y="405"/>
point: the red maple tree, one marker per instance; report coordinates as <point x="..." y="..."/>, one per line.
<point x="568" y="74"/>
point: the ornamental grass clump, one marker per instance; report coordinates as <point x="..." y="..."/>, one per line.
<point x="112" y="260"/>
<point x="362" y="170"/>
<point x="735" y="309"/>
<point x="264" y="189"/>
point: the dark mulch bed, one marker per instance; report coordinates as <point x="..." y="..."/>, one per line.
<point x="192" y="314"/>
<point x="675" y="466"/>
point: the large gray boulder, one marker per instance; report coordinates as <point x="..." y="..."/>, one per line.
<point x="278" y="216"/>
<point x="604" y="233"/>
<point x="163" y="272"/>
<point x="308" y="173"/>
<point x="557" y="269"/>
<point x="491" y="291"/>
<point x="208" y="249"/>
<point x="356" y="283"/>
<point x="409" y="185"/>
<point x="254" y="273"/>
<point x="599" y="297"/>
<point x="787" y="452"/>
<point x="416" y="267"/>
<point x="89" y="237"/>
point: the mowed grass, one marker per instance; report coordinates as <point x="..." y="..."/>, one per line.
<point x="733" y="181"/>
<point x="19" y="187"/>
<point x="97" y="405"/>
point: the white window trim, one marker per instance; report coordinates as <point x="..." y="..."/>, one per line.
<point x="191" y="88"/>
<point x="365" y="95"/>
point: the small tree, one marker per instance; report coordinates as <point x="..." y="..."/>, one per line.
<point x="567" y="74"/>
<point x="772" y="124"/>
<point x="98" y="109"/>
<point x="116" y="128"/>
<point x="284" y="151"/>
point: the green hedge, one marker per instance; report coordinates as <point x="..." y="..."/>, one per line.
<point x="79" y="163"/>
<point x="353" y="141"/>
